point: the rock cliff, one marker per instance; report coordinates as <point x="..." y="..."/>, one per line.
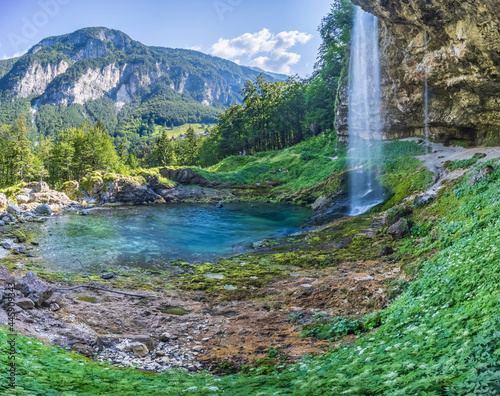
<point x="457" y="44"/>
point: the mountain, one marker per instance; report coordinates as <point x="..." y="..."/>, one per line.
<point x="99" y="73"/>
<point x="276" y="76"/>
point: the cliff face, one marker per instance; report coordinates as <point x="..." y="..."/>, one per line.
<point x="457" y="43"/>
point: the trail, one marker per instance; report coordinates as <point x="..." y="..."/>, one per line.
<point x="440" y="153"/>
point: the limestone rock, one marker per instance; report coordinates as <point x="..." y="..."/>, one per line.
<point x="138" y="349"/>
<point x="41" y="187"/>
<point x="13" y="210"/>
<point x="43" y="209"/>
<point x="25" y="303"/>
<point x="460" y="60"/>
<point x="35" y="289"/>
<point x="399" y="229"/>
<point x="186" y="177"/>
<point x="4" y="202"/>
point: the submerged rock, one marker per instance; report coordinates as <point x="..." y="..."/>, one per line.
<point x="107" y="275"/>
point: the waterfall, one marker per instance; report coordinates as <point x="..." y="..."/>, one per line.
<point x="364" y="119"/>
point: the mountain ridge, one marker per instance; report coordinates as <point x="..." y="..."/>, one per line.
<point x="156" y="86"/>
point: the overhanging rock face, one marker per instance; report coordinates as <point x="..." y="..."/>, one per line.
<point x="462" y="62"/>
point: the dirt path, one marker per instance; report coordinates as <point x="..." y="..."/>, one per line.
<point x="440" y="153"/>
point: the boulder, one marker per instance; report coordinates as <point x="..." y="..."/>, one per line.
<point x="485" y="171"/>
<point x="43" y="209"/>
<point x="25" y="303"/>
<point x="138" y="349"/>
<point x="399" y="229"/>
<point x="22" y="199"/>
<point x="2" y="223"/>
<point x="70" y="189"/>
<point x="5" y="276"/>
<point x="7" y="245"/>
<point x="108" y="275"/>
<point x="423" y="200"/>
<point x="4" y="202"/>
<point x="13" y="210"/>
<point x="186" y="177"/>
<point x="41" y="187"/>
<point x="35" y="289"/>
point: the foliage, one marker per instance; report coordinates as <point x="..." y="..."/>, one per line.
<point x="466" y="163"/>
<point x="333" y="329"/>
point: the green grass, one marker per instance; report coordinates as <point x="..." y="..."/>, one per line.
<point x="181" y="130"/>
<point x="464" y="164"/>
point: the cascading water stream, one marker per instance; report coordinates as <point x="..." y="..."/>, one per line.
<point x="364" y="119"/>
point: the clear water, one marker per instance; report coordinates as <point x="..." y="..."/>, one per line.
<point x="364" y="118"/>
<point x="153" y="236"/>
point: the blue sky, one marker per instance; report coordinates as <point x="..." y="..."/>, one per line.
<point x="276" y="35"/>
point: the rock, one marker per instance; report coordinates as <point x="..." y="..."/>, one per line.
<point x="22" y="199"/>
<point x="84" y="213"/>
<point x="70" y="189"/>
<point x="386" y="251"/>
<point x="22" y="250"/>
<point x="160" y="353"/>
<point x="54" y="307"/>
<point x="2" y="223"/>
<point x="4" y="202"/>
<point x="25" y="303"/>
<point x="15" y="251"/>
<point x="108" y="275"/>
<point x="423" y="200"/>
<point x="6" y="245"/>
<point x="166" y="337"/>
<point x="483" y="172"/>
<point x="220" y="205"/>
<point x="43" y="210"/>
<point x="83" y="349"/>
<point x="186" y="177"/>
<point x="13" y="210"/>
<point x="5" y="276"/>
<point x="462" y="63"/>
<point x="138" y="349"/>
<point x="35" y="243"/>
<point x="41" y="187"/>
<point x="35" y="289"/>
<point x="399" y="229"/>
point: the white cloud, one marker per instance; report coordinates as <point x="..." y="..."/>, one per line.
<point x="264" y="49"/>
<point x="16" y="55"/>
<point x="195" y="48"/>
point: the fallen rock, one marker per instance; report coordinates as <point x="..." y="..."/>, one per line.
<point x="22" y="199"/>
<point x="83" y="349"/>
<point x="25" y="303"/>
<point x="13" y="210"/>
<point x="54" y="307"/>
<point x="423" y="200"/>
<point x="43" y="209"/>
<point x="35" y="289"/>
<point x="108" y="275"/>
<point x="138" y="349"/>
<point x="41" y="187"/>
<point x="6" y="245"/>
<point x="4" y="202"/>
<point x="399" y="229"/>
<point x="386" y="251"/>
